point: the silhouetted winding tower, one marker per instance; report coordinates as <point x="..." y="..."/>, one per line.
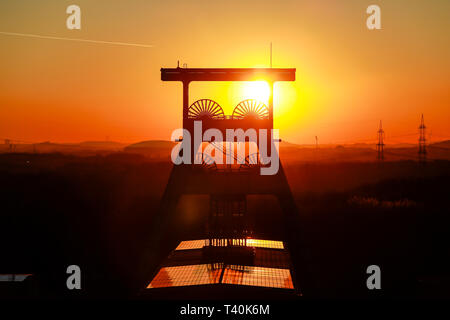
<point x="229" y="240"/>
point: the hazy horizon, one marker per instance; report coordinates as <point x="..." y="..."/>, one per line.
<point x="127" y="143"/>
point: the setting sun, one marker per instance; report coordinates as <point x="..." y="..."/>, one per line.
<point x="259" y="90"/>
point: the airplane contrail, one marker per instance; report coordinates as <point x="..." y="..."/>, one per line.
<point x="79" y="40"/>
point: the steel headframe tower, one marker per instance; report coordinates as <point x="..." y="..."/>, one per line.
<point x="229" y="224"/>
<point x="422" y="142"/>
<point x="380" y="144"/>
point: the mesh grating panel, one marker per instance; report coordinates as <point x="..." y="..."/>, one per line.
<point x="257" y="243"/>
<point x="208" y="274"/>
<point x="186" y="276"/>
<point x="258" y="276"/>
<point x="191" y="244"/>
<point x="270" y="244"/>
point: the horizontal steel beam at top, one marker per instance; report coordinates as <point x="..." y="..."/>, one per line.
<point x="228" y="74"/>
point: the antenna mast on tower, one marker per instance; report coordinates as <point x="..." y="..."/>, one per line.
<point x="271" y="54"/>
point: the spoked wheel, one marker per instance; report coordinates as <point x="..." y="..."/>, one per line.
<point x="207" y="161"/>
<point x="205" y="108"/>
<point x="251" y="108"/>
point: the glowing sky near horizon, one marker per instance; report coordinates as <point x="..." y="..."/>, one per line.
<point x="348" y="78"/>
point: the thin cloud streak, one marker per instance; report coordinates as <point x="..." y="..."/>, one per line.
<point x="78" y="40"/>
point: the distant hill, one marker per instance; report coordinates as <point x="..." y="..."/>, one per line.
<point x="87" y="147"/>
<point x="150" y="144"/>
<point x="441" y="144"/>
<point x="161" y="150"/>
<point x="105" y="145"/>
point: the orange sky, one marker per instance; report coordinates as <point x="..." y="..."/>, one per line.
<point x="348" y="78"/>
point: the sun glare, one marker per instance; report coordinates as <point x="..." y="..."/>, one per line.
<point x="259" y="90"/>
